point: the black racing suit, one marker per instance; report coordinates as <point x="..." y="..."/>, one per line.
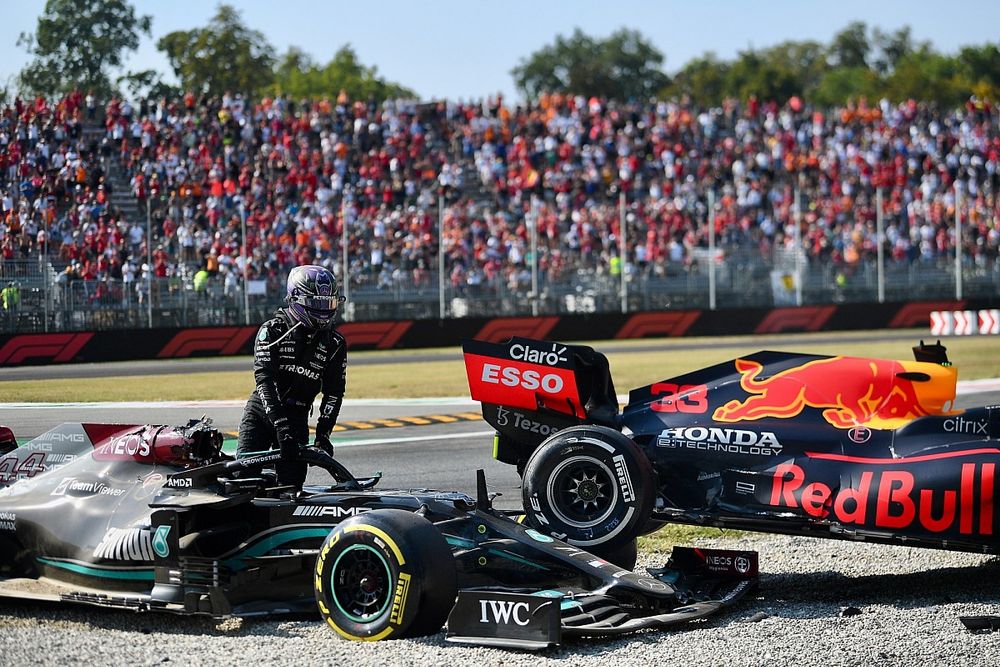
<point x="291" y="365"/>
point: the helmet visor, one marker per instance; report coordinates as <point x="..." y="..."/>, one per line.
<point x="318" y="303"/>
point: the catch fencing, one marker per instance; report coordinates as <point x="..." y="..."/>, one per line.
<point x="47" y="303"/>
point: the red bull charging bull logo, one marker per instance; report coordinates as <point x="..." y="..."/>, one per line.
<point x="850" y="391"/>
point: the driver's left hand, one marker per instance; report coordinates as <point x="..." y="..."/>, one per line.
<point x="323" y="443"/>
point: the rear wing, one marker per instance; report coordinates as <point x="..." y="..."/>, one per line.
<point x="523" y="373"/>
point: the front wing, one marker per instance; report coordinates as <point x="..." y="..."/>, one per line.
<point x="540" y="620"/>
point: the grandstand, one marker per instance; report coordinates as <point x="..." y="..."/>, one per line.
<point x="456" y="209"/>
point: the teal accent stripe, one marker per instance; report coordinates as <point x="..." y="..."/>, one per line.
<point x="143" y="574"/>
<point x="274" y="540"/>
<point x="564" y="603"/>
<point x="515" y="558"/>
<point x="459" y="542"/>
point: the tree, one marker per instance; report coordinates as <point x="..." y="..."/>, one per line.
<point x="850" y="46"/>
<point x="845" y="83"/>
<point x="926" y="74"/>
<point x="298" y="75"/>
<point x="893" y="47"/>
<point x="805" y="61"/>
<point x="623" y="66"/>
<point x="77" y="42"/>
<point x="702" y="79"/>
<point x="980" y="66"/>
<point x="223" y="56"/>
<point x="761" y="74"/>
<point x="148" y="83"/>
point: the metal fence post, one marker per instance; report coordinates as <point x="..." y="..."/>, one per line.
<point x="441" y="308"/>
<point x="799" y="278"/>
<point x="149" y="263"/>
<point x="346" y="278"/>
<point x="45" y="275"/>
<point x="246" y="267"/>
<point x="623" y="252"/>
<point x="533" y="226"/>
<point x="879" y="240"/>
<point x="711" y="249"/>
<point x="958" y="242"/>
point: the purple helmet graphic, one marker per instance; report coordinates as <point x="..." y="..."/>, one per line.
<point x="313" y="296"/>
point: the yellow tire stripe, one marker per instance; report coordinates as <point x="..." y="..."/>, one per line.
<point x="347" y="635"/>
<point x="381" y="534"/>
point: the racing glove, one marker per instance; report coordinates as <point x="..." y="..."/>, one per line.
<point x="287" y="443"/>
<point x="323" y="442"/>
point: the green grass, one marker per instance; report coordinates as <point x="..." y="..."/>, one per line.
<point x="975" y="357"/>
<point x="663" y="540"/>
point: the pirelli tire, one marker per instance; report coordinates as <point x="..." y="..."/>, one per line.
<point x="385" y="574"/>
<point x="590" y="486"/>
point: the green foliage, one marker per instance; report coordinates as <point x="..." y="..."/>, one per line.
<point x="764" y="75"/>
<point x="77" y="42"/>
<point x="842" y="84"/>
<point x="927" y="75"/>
<point x="703" y="79"/>
<point x="980" y="67"/>
<point x="623" y="66"/>
<point x="893" y="47"/>
<point x="850" y="47"/>
<point x="854" y="65"/>
<point x="147" y="83"/>
<point x="223" y="56"/>
<point x="299" y="76"/>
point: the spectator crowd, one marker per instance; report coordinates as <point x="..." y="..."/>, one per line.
<point x="295" y="173"/>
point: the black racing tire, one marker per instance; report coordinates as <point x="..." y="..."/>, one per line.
<point x="385" y="574"/>
<point x="624" y="556"/>
<point x="589" y="486"/>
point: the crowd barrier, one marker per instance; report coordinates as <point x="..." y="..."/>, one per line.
<point x="174" y="343"/>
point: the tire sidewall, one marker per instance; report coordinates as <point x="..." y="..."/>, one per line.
<point x="404" y="582"/>
<point x="589" y="448"/>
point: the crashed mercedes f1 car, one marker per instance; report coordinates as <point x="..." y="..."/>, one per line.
<point x="156" y="518"/>
<point x="842" y="447"/>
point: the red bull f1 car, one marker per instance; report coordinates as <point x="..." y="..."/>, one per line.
<point x="841" y="447"/>
<point x="157" y="518"/>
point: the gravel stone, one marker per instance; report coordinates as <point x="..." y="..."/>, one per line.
<point x="910" y="602"/>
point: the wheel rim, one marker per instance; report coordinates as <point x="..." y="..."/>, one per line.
<point x="361" y="583"/>
<point x="582" y="491"/>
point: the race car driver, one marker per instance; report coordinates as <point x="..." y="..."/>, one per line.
<point x="297" y="354"/>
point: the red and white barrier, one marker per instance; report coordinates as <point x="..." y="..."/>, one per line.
<point x="989" y="321"/>
<point x="965" y="322"/>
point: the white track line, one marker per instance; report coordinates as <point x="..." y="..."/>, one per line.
<point x="337" y="443"/>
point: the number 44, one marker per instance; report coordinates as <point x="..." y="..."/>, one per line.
<point x="29" y="467"/>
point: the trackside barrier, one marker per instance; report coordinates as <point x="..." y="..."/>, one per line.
<point x="175" y="343"/>
<point x="984" y="322"/>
